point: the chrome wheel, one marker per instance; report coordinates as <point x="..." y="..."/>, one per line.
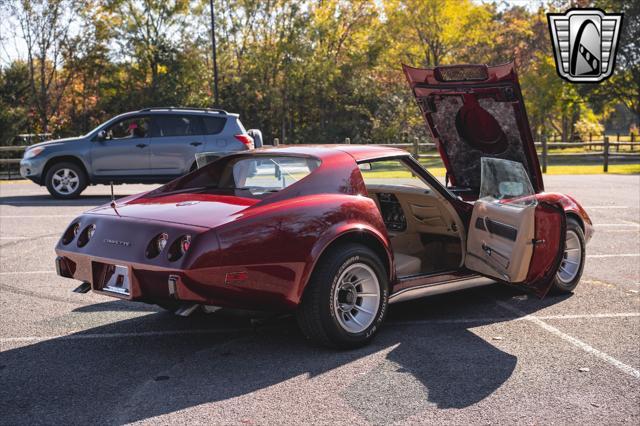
<point x="571" y="258"/>
<point x="65" y="181"/>
<point x="356" y="298"/>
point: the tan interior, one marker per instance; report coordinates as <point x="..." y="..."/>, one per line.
<point x="495" y="255"/>
<point x="433" y="239"/>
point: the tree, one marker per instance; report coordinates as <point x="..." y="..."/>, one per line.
<point x="146" y="32"/>
<point x="14" y="99"/>
<point x="624" y="84"/>
<point x="45" y="26"/>
<point x="435" y="32"/>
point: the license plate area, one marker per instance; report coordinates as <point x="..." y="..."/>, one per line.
<point x="115" y="279"/>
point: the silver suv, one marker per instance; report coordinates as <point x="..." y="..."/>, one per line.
<point x="153" y="145"/>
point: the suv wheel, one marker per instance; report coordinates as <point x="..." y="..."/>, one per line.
<point x="346" y="299"/>
<point x="65" y="180"/>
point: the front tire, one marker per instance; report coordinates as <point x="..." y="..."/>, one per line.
<point x="570" y="269"/>
<point x="346" y="298"/>
<point x="65" y="180"/>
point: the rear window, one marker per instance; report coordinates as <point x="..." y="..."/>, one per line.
<point x="254" y="176"/>
<point x="213" y="125"/>
<point x="177" y="125"/>
<point x="269" y="174"/>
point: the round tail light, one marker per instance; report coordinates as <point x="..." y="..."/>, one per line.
<point x="161" y="241"/>
<point x="71" y="232"/>
<point x="91" y="231"/>
<point x="86" y="235"/>
<point x="185" y="243"/>
<point x="157" y="245"/>
<point x="179" y="247"/>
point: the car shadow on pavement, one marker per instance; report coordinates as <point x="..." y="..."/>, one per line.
<point x="423" y="357"/>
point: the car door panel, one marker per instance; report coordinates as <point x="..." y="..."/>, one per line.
<point x="499" y="243"/>
<point x="121" y="154"/>
<point x="175" y="143"/>
<point x="512" y="237"/>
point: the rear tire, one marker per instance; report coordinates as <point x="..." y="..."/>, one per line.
<point x="570" y="269"/>
<point x="346" y="298"/>
<point x="65" y="180"/>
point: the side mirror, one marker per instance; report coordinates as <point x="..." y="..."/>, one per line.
<point x="102" y="135"/>
<point x="511" y="189"/>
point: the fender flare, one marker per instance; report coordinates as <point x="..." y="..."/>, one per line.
<point x="337" y="232"/>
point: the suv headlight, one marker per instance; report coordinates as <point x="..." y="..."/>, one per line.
<point x="33" y="152"/>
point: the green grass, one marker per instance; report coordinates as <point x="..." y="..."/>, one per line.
<point x="593" y="169"/>
<point x="584" y="169"/>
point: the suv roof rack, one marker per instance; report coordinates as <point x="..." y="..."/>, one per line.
<point x="172" y="108"/>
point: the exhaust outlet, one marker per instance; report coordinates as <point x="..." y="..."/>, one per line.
<point x="187" y="309"/>
<point x="82" y="288"/>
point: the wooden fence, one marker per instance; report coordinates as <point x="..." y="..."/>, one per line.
<point x="606" y="150"/>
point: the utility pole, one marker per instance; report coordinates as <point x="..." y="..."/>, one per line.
<point x="215" y="62"/>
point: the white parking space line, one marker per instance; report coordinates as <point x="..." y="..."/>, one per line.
<point x="161" y="333"/>
<point x="608" y="225"/>
<point x="46" y="237"/>
<point x="588" y="316"/>
<point x="572" y="340"/>
<point x="120" y="335"/>
<point x="26" y="272"/>
<point x="605" y="207"/>
<point x="606" y="256"/>
<point x="505" y="319"/>
<point x="36" y="216"/>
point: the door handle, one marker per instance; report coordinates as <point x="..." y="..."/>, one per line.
<point x="141" y="145"/>
<point x="195" y="143"/>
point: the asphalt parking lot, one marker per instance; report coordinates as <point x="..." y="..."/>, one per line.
<point x="486" y="355"/>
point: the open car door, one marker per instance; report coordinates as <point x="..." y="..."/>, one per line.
<point x="512" y="237"/>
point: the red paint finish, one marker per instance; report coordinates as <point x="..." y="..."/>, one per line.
<point x="244" y="252"/>
<point x="550" y="230"/>
<point x="571" y="207"/>
<point x="272" y="243"/>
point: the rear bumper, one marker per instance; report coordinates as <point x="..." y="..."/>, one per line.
<point x="151" y="284"/>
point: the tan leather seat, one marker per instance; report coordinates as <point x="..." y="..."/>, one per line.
<point x="407" y="265"/>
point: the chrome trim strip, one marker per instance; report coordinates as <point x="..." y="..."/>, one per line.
<point x="439" y="288"/>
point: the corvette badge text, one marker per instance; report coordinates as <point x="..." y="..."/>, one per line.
<point x="117" y="242"/>
<point x="585" y="42"/>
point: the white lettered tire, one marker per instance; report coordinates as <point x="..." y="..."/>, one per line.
<point x="346" y="299"/>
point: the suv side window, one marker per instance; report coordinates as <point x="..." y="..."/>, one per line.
<point x="129" y="128"/>
<point x="177" y="125"/>
<point x="213" y="125"/>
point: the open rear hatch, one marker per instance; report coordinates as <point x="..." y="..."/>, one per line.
<point x="475" y="111"/>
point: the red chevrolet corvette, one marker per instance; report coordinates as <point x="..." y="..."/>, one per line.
<point x="336" y="233"/>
